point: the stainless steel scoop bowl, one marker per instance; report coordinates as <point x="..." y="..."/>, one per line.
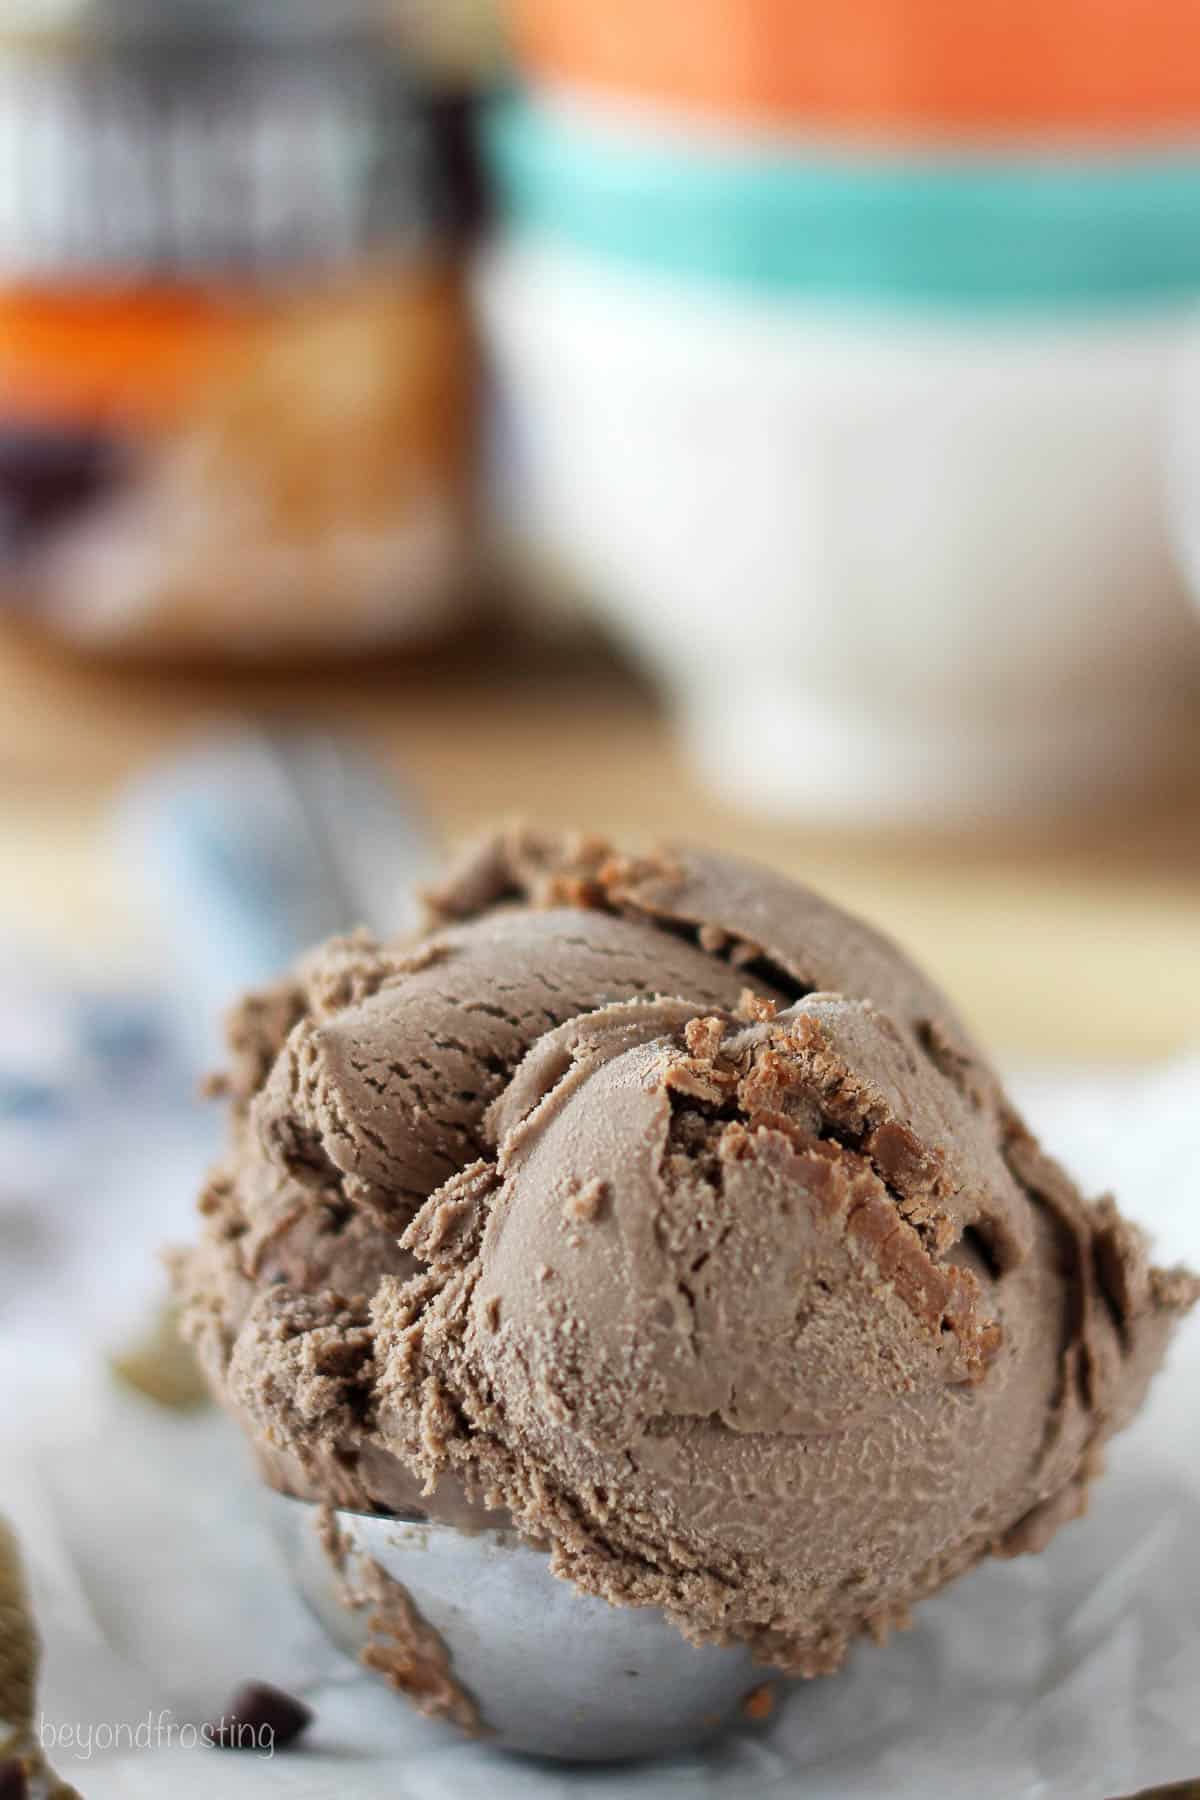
<point x="553" y="1672"/>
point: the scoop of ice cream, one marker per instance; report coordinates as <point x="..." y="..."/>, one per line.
<point x="666" y="1209"/>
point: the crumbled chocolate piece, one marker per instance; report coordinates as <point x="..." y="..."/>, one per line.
<point x="260" y="1717"/>
<point x="161" y="1367"/>
<point x="759" y="1703"/>
<point x="14" y="1782"/>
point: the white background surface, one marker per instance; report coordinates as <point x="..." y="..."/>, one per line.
<point x="1074" y="1674"/>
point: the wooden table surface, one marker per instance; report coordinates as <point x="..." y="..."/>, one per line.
<point x="1082" y="945"/>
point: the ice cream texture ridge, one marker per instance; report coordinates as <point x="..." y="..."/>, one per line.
<point x="656" y="1205"/>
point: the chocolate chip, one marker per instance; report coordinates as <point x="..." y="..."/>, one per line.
<point x="14" y="1783"/>
<point x="259" y="1717"/>
<point x="759" y="1703"/>
<point x="47" y="479"/>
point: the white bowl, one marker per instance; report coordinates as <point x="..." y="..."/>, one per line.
<point x="890" y="566"/>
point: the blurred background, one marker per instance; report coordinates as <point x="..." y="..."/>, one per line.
<point x="774" y="423"/>
<point x="757" y="420"/>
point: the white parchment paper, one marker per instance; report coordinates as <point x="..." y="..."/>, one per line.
<point x="1075" y="1674"/>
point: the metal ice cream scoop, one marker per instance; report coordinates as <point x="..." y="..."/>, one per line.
<point x="552" y="1671"/>
<point x="260" y="843"/>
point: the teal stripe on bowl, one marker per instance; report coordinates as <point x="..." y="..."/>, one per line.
<point x="985" y="230"/>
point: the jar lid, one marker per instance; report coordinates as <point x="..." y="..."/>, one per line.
<point x="211" y="160"/>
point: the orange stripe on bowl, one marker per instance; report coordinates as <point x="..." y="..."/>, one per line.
<point x="899" y="66"/>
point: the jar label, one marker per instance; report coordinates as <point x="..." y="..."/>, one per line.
<point x="251" y="163"/>
<point x="158" y="203"/>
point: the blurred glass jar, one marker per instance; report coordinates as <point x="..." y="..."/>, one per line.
<point x="237" y="378"/>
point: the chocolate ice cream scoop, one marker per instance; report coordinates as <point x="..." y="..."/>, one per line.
<point x="658" y="1208"/>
